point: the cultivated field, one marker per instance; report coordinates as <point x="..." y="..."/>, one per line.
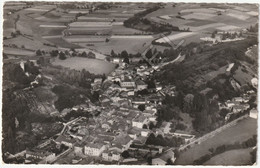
<point x="232" y="158"/>
<point x="62" y="43"/>
<point x="244" y="130"/>
<point x="18" y="52"/>
<point x="175" y="37"/>
<point x="92" y="65"/>
<point x="131" y="45"/>
<point x="200" y="16"/>
<point x="91" y="24"/>
<point x="86" y="39"/>
<point x="228" y="28"/>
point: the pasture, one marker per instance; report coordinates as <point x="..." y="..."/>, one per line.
<point x="240" y="132"/>
<point x="92" y="65"/>
<point x="232" y="158"/>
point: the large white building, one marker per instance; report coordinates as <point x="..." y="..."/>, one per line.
<point x="94" y="149"/>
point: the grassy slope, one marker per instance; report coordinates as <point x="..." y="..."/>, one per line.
<point x="240" y="132"/>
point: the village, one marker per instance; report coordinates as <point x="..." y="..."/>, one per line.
<point x="121" y="125"/>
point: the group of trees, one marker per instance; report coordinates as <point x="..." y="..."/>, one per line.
<point x="137" y="17"/>
<point x="64" y="54"/>
<point x="228" y="35"/>
<point x="159" y="140"/>
<point x="14" y="73"/>
<point x="87" y="55"/>
<point x="254" y="28"/>
<point x="74" y="77"/>
<point x="68" y="97"/>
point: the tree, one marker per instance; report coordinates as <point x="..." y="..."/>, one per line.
<point x="67" y="52"/>
<point x="124" y="54"/>
<point x="38" y="52"/>
<point x="126" y="60"/>
<point x="141" y="107"/>
<point x="84" y="54"/>
<point x="149" y="54"/>
<point x="62" y="56"/>
<point x="151" y="125"/>
<point x="13" y="34"/>
<point x="54" y="53"/>
<point x="113" y="53"/>
<point x="213" y="35"/>
<point x="91" y="55"/>
<point x="125" y="154"/>
<point x="149" y="160"/>
<point x="145" y="126"/>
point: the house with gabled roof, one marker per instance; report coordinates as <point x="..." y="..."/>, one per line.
<point x="94" y="148"/>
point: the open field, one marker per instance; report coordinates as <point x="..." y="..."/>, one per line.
<point x="197" y="23"/>
<point x="228" y="28"/>
<point x="244" y="130"/>
<point x="121" y="30"/>
<point x="90" y="24"/>
<point x="88" y="31"/>
<point x="85" y="39"/>
<point x="92" y="65"/>
<point x="62" y="43"/>
<point x="252" y="13"/>
<point x="132" y="37"/>
<point x="200" y="16"/>
<point x="131" y="45"/>
<point x="239" y="16"/>
<point x="93" y="19"/>
<point x="234" y="157"/>
<point x="26" y="42"/>
<point x="197" y="10"/>
<point x="175" y="37"/>
<point x="16" y="51"/>
<point x="53" y="26"/>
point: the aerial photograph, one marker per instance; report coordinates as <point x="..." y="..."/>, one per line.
<point x="129" y="83"/>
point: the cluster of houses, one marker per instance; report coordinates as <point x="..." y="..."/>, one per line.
<point x="121" y="125"/>
<point x="238" y="105"/>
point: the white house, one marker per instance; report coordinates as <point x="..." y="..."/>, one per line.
<point x="94" y="149"/>
<point x="145" y="133"/>
<point x="253" y="113"/>
<point x="111" y="155"/>
<point x="139" y="121"/>
<point x="140" y="85"/>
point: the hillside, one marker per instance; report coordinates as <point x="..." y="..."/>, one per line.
<point x="204" y="64"/>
